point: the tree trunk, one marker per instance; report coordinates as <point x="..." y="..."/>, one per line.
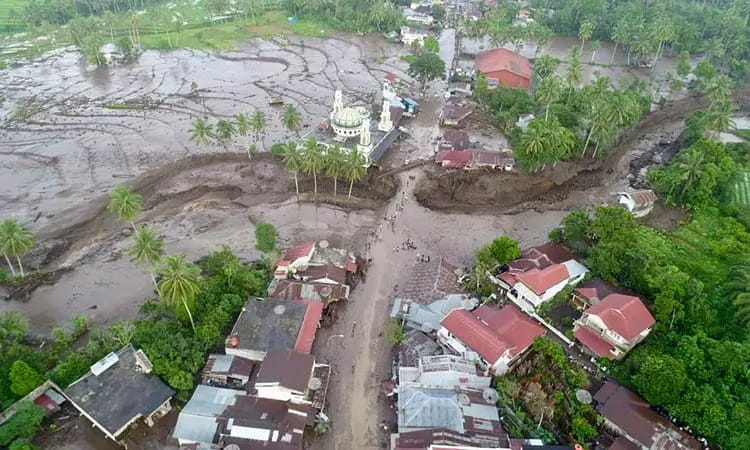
<point x="12" y="270"/>
<point x="583" y="41"/>
<point x="335" y="188"/>
<point x="588" y="138"/>
<point x="629" y="55"/>
<point x="351" y="184"/>
<point x="546" y="113"/>
<point x="315" y="184"/>
<point x="190" y="315"/>
<point x="593" y="57"/>
<point x="296" y="185"/>
<point x="132" y="224"/>
<point x="20" y="266"/>
<point x="614" y="50"/>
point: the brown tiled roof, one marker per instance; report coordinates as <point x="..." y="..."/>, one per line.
<point x="634" y="416"/>
<point x="644" y="197"/>
<point x="596" y="289"/>
<point x="290" y="369"/>
<point x="299" y="251"/>
<point x="491" y="332"/>
<point x="540" y="281"/>
<point x="431" y="281"/>
<point x="295" y="290"/>
<point x="422" y="439"/>
<point x="267" y="414"/>
<point x="624" y="314"/>
<point x="309" y="327"/>
<point x="594" y="342"/>
<point x="331" y="272"/>
<point x="501" y="59"/>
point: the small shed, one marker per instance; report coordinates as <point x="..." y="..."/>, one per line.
<point x="639" y="203"/>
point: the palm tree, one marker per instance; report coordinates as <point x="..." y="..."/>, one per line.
<point x="719" y="117"/>
<point x="719" y="88"/>
<point x="125" y="203"/>
<point x="573" y="77"/>
<point x="243" y="124"/>
<point x="585" y="32"/>
<point x="258" y="124"/>
<point x="15" y="240"/>
<point x="334" y="166"/>
<point x="548" y="92"/>
<point x="620" y="35"/>
<point x="738" y="288"/>
<point x="179" y="284"/>
<point x="251" y="149"/>
<point x="532" y="145"/>
<point x="690" y="169"/>
<point x="354" y="168"/>
<point x="13" y="327"/>
<point x="291" y="118"/>
<point x="292" y="158"/>
<point x="313" y="161"/>
<point x="148" y="248"/>
<point x="225" y="129"/>
<point x="600" y="116"/>
<point x="202" y="132"/>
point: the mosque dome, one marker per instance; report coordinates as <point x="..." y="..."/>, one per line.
<point x="348" y="118"/>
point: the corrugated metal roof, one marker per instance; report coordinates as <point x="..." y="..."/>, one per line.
<point x="222" y="363"/>
<point x="197" y="421"/>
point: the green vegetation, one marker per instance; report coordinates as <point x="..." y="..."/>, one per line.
<point x="22" y="426"/>
<point x="395" y="331"/>
<point x="11" y="14"/>
<point x="23" y="378"/>
<point x="426" y="67"/>
<point x="488" y="258"/>
<point x="125" y="204"/>
<point x="741" y="189"/>
<point x="15" y="241"/>
<point x="265" y="237"/>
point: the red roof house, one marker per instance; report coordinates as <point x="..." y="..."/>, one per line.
<point x="505" y="67"/>
<point x="499" y="337"/>
<point x="615" y="325"/>
<point x="473" y="159"/>
<point x="294" y="257"/>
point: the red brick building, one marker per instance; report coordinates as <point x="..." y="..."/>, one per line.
<point x="504" y="67"/>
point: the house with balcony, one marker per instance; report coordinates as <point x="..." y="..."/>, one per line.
<point x="538" y="275"/>
<point x="613" y="326"/>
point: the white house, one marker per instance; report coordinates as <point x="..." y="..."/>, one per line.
<point x="493" y="338"/>
<point x="539" y="275"/>
<point x="443" y="371"/>
<point x="409" y="35"/>
<point x="639" y="203"/>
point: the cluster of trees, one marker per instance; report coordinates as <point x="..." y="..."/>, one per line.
<point x="500" y="27"/>
<point x="15" y="242"/>
<point x="425" y="64"/>
<point x="693" y="363"/>
<point x="648" y="29"/>
<point x="589" y="118"/>
<point x="241" y="125"/>
<point x="315" y="158"/>
<point x="61" y="12"/>
<point x="489" y="258"/>
<point x="350" y="15"/>
<point x="17" y="432"/>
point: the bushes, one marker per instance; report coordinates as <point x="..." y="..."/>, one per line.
<point x="23" y="378"/>
<point x="23" y="424"/>
<point x="265" y="237"/>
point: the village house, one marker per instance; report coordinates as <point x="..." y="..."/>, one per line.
<point x="505" y="68"/>
<point x="430" y="281"/>
<point x="427" y="318"/>
<point x="475" y="159"/>
<point x="295" y="290"/>
<point x="453" y="140"/>
<point x="265" y="325"/>
<point x="415" y="346"/>
<point x="445" y="439"/>
<point x="418" y="18"/>
<point x="639" y="203"/>
<point x="409" y="35"/>
<point x="452" y="114"/>
<point x="310" y="254"/>
<point x="613" y="325"/>
<point x="228" y="371"/>
<point x="639" y="426"/>
<point x="538" y="275"/>
<point x="443" y="371"/>
<point x="119" y="390"/>
<point x="493" y="338"/>
<point x="218" y="417"/>
<point x="292" y="377"/>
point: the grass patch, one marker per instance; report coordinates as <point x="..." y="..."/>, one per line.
<point x="7" y="10"/>
<point x="225" y="35"/>
<point x="741" y="189"/>
<point x="743" y="133"/>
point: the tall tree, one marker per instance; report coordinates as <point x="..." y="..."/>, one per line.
<point x="292" y="158"/>
<point x="13" y="327"/>
<point x="739" y="291"/>
<point x="291" y="118"/>
<point x="313" y="161"/>
<point x="355" y="168"/>
<point x="585" y="31"/>
<point x="718" y="117"/>
<point x="574" y="74"/>
<point x="545" y="65"/>
<point x="201" y="132"/>
<point x="148" y="248"/>
<point x="548" y="92"/>
<point x="15" y="240"/>
<point x="126" y="204"/>
<point x="258" y="125"/>
<point x="179" y="284"/>
<point x="225" y="129"/>
<point x="427" y="67"/>
<point x="719" y="88"/>
<point x="690" y="170"/>
<point x="334" y="166"/>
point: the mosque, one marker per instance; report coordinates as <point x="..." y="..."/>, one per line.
<point x="352" y="128"/>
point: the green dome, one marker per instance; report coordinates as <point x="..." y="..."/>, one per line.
<point x="348" y="118"/>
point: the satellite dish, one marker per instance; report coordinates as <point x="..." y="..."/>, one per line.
<point x="326" y="291"/>
<point x="463" y="399"/>
<point x="279" y="309"/>
<point x="323" y="244"/>
<point x="232" y="447"/>
<point x="583" y="396"/>
<point x="490" y="395"/>
<point x="314" y="384"/>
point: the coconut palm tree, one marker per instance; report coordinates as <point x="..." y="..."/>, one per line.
<point x="719" y="117"/>
<point x="690" y="169"/>
<point x="738" y="287"/>
<point x="548" y="92"/>
<point x="355" y="168"/>
<point x="258" y="125"/>
<point x="243" y="124"/>
<point x="148" y="248"/>
<point x="202" y="132"/>
<point x="573" y="76"/>
<point x="291" y="118"/>
<point x="225" y="129"/>
<point x="313" y="161"/>
<point x="532" y="145"/>
<point x="585" y="32"/>
<point x="292" y="158"/>
<point x="334" y="166"/>
<point x="125" y="203"/>
<point x="13" y="327"/>
<point x="15" y="240"/>
<point x="620" y="35"/>
<point x="179" y="284"/>
<point x="719" y="88"/>
<point x="599" y="117"/>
